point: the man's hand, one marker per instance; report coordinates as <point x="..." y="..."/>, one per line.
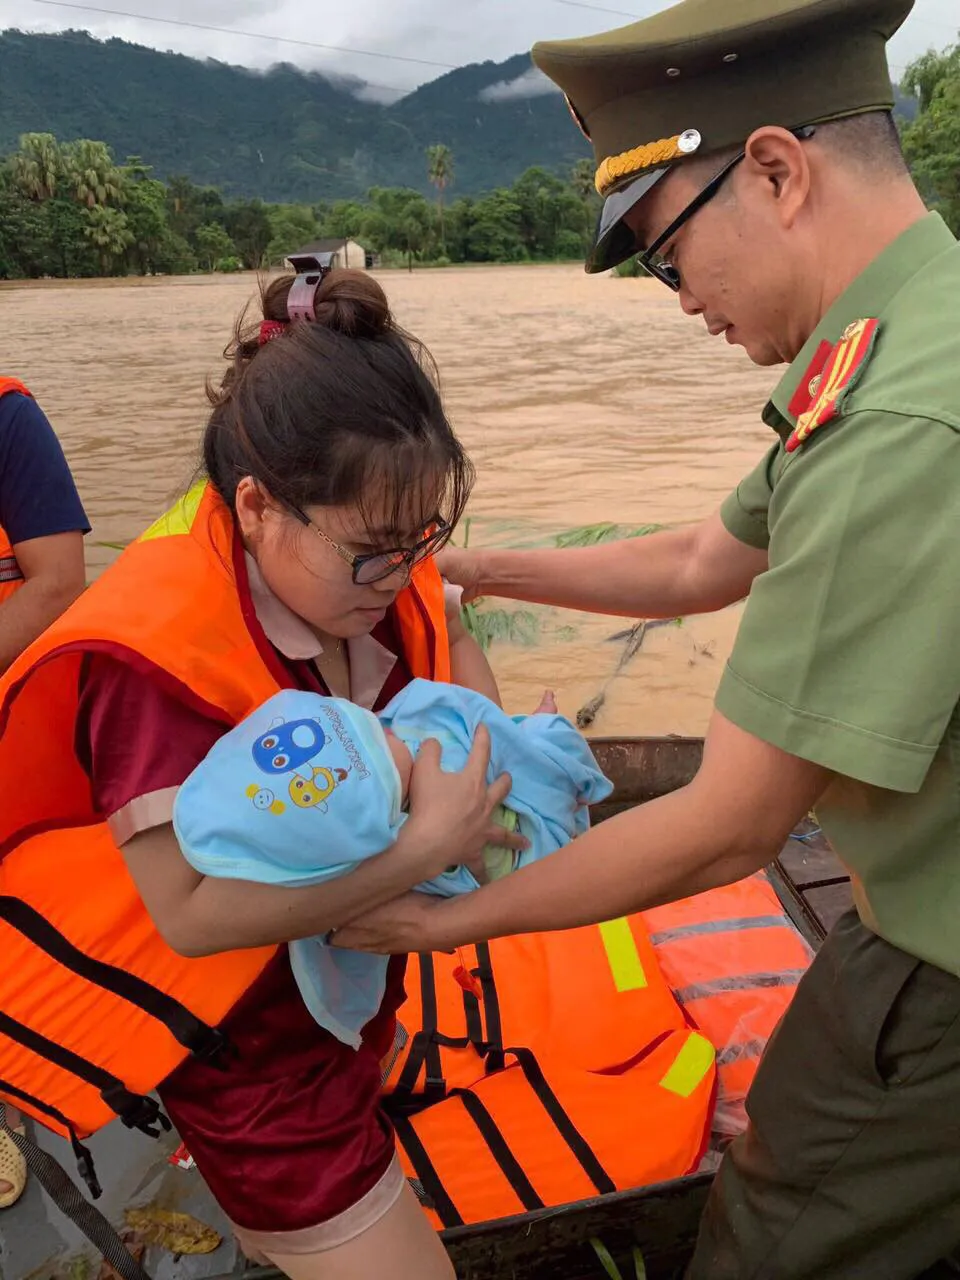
<point x="730" y="821"/>
<point x="400" y="927"/>
<point x="669" y="574"/>
<point x="462" y="568"/>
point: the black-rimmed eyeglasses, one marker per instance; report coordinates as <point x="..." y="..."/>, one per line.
<point x="653" y="261"/>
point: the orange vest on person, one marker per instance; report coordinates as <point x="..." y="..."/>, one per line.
<point x="544" y="1069"/>
<point x="10" y="576"/>
<point x="96" y="1009"/>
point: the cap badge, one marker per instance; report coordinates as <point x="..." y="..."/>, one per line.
<point x="652" y="155"/>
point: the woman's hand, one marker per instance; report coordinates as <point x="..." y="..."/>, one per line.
<point x="407" y="924"/>
<point x="450" y="813"/>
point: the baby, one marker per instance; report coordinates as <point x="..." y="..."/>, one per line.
<point x="308" y="786"/>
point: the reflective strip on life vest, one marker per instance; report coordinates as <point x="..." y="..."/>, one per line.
<point x="9" y="569"/>
<point x="733" y="959"/>
<point x="690" y="1067"/>
<point x="621" y="949"/>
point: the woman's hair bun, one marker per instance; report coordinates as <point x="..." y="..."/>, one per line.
<point x="354" y="304"/>
<point x="347" y="302"/>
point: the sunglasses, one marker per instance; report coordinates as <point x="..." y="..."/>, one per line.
<point x="653" y="261"/>
<point x="383" y="564"/>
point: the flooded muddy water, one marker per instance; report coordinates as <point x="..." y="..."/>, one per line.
<point x="581" y="400"/>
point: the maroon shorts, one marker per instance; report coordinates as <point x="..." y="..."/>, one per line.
<point x="292" y="1133"/>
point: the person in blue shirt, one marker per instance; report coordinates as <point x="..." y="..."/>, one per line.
<point x="42" y="525"/>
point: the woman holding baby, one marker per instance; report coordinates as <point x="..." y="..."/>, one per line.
<point x="303" y="561"/>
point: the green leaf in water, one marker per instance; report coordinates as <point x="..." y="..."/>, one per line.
<point x="516" y="626"/>
<point x="606" y="1259"/>
<point x="610" y="1267"/>
<point x="591" y="535"/>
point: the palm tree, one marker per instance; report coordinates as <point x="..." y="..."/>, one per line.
<point x="91" y="173"/>
<point x="37" y="166"/>
<point x="440" y="172"/>
<point x="109" y="232"/>
<point x="582" y="179"/>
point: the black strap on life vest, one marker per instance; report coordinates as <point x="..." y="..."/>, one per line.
<point x="136" y="1110"/>
<point x="201" y="1040"/>
<point x="65" y="1195"/>
<point x="425" y="1048"/>
<point x="435" y="1194"/>
<point x="84" y="1155"/>
<point x="500" y="1149"/>
<point x="429" y="1039"/>
<point x="571" y="1135"/>
<point x="493" y="1047"/>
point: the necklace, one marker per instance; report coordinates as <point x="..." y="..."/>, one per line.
<point x="334" y="668"/>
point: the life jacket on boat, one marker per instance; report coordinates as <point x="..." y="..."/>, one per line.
<point x="544" y="1069"/>
<point x="96" y="1008"/>
<point x="10" y="576"/>
<point x="733" y="959"/>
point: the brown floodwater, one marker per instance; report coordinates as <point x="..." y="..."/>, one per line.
<point x="581" y="400"/>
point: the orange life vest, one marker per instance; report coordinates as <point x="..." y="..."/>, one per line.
<point x="542" y="1069"/>
<point x="733" y="959"/>
<point x="10" y="576"/>
<point x="96" y="1008"/>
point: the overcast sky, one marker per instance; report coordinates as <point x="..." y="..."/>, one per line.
<point x="449" y="32"/>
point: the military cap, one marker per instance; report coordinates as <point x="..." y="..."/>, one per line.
<point x="701" y="76"/>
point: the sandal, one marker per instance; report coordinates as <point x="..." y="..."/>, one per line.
<point x="13" y="1169"/>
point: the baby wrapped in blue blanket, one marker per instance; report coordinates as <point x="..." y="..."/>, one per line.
<point x="308" y="786"/>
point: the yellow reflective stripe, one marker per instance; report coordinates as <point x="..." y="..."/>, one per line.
<point x="691" y="1065"/>
<point x="179" y="519"/>
<point x="621" y="949"/>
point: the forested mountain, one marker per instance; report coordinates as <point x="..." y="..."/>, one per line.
<point x="283" y="134"/>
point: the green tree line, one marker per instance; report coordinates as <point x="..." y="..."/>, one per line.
<point x="71" y="210"/>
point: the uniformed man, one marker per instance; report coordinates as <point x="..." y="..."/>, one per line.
<point x="747" y="153"/>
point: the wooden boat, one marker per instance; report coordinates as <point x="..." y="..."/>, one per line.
<point x="553" y="1244"/>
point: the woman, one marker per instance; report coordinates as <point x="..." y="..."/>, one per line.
<point x="303" y="562"/>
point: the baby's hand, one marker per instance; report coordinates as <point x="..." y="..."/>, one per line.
<point x="548" y="704"/>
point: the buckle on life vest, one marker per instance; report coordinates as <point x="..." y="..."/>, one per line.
<point x="85" y="1166"/>
<point x="136" y="1110"/>
<point x="434" y="1087"/>
<point x="216" y="1048"/>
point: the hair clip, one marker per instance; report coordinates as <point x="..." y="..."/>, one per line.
<point x="311" y="269"/>
<point x="270" y="329"/>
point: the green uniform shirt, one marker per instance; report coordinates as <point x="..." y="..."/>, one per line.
<point x="849" y="650"/>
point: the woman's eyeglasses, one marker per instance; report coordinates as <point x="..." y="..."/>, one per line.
<point x="384" y="564"/>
